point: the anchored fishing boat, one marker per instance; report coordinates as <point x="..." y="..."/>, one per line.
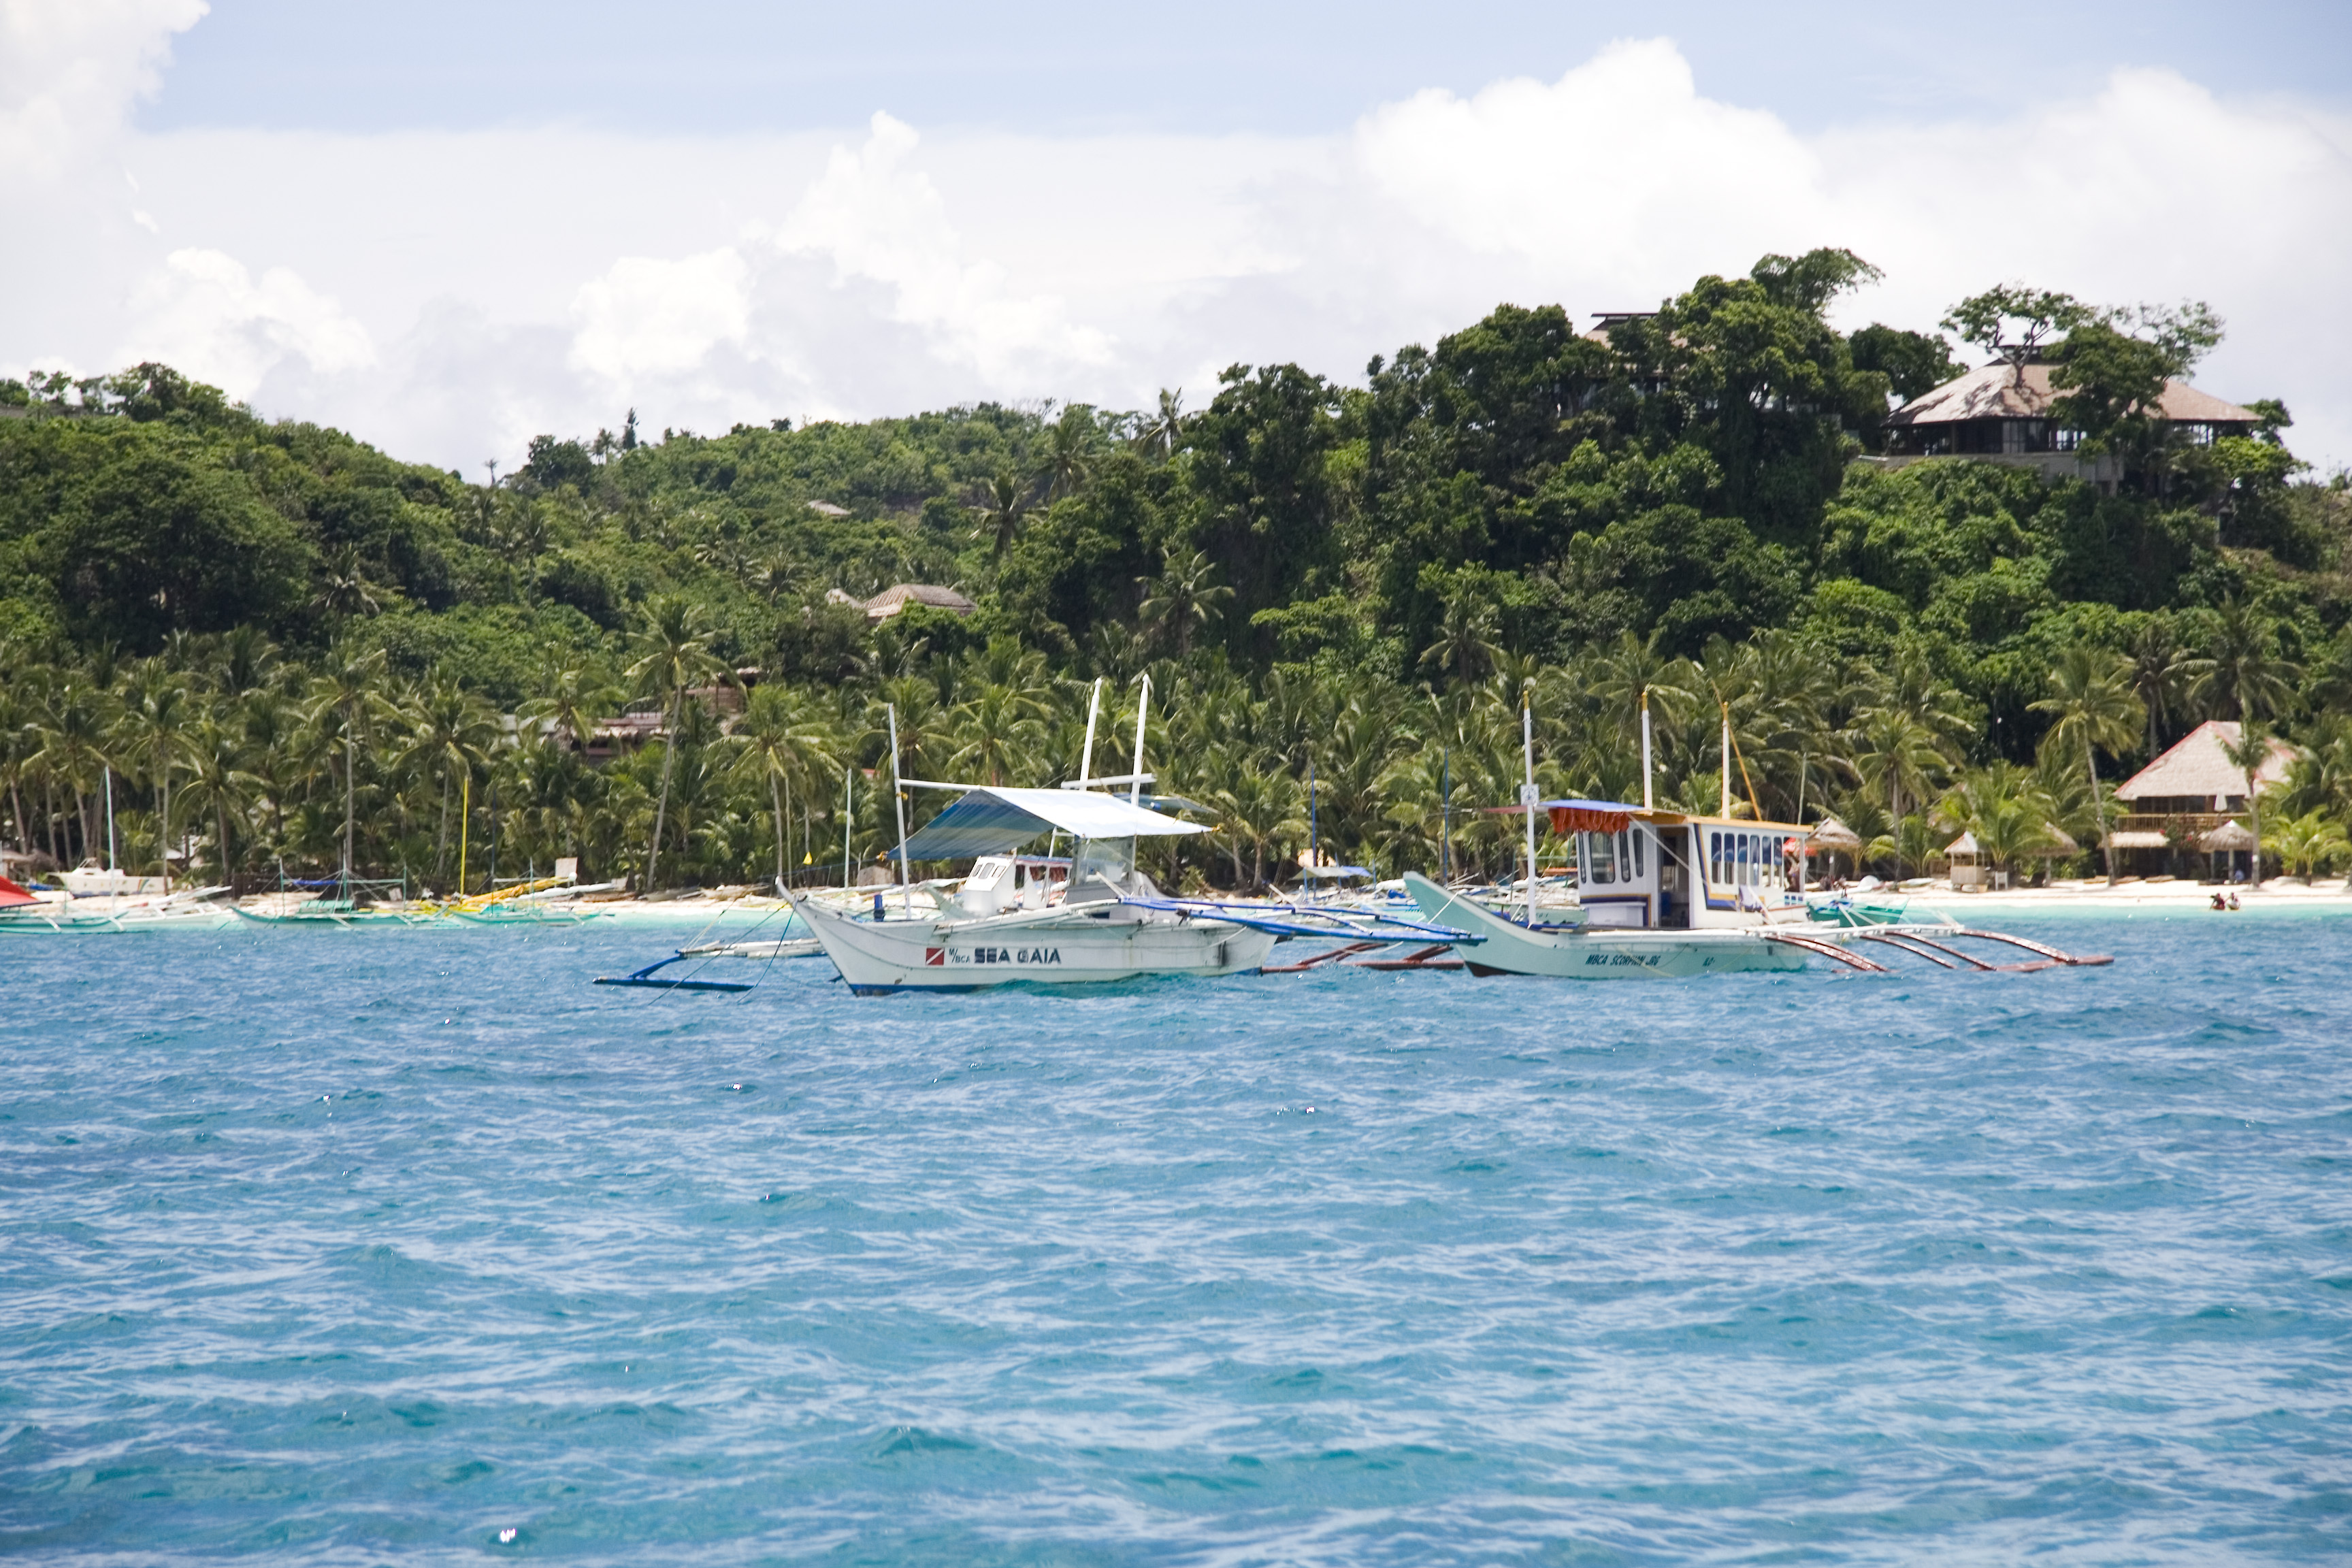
<point x="1104" y="922"/>
<point x="1670" y="894"/>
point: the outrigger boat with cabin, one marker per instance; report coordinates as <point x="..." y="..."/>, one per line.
<point x="1669" y="894"/>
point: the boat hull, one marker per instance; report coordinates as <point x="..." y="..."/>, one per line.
<point x="1599" y="952"/>
<point x="1055" y="947"/>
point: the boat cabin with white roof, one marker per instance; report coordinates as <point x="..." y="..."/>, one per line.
<point x="1668" y="870"/>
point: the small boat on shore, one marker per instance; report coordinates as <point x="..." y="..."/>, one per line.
<point x="25" y="910"/>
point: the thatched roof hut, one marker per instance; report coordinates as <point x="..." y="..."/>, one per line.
<point x="2229" y="839"/>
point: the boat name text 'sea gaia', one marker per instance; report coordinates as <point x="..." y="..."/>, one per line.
<point x="963" y="955"/>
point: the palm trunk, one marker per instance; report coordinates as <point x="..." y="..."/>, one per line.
<point x="164" y="832"/>
<point x="2091" y="762"/>
<point x="1895" y="822"/>
<point x="661" y="807"/>
<point x="2254" y="804"/>
<point x="220" y="827"/>
<point x="441" y="839"/>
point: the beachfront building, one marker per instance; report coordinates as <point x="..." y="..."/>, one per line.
<point x="2176" y="804"/>
<point x="2001" y="413"/>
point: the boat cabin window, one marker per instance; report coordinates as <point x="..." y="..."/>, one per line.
<point x="1748" y="859"/>
<point x="1634" y="839"/>
<point x="1600" y="861"/>
<point x="1111" y="859"/>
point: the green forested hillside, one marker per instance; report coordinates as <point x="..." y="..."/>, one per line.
<point x="1362" y="579"/>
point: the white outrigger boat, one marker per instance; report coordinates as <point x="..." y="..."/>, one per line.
<point x="1660" y="895"/>
<point x="1671" y="894"/>
<point x="23" y="909"/>
<point x="1104" y="922"/>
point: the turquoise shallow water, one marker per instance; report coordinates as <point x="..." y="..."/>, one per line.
<point x="414" y="1248"/>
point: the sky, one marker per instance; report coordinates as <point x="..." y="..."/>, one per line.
<point x="448" y="228"/>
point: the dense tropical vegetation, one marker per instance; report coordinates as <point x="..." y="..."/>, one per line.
<point x="283" y="648"/>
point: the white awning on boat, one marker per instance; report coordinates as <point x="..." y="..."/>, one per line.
<point x="992" y="821"/>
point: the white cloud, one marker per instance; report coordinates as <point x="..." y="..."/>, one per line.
<point x="1620" y="171"/>
<point x="521" y="280"/>
<point x="651" y="318"/>
<point x="206" y="314"/>
<point x="69" y="71"/>
<point x="876" y="218"/>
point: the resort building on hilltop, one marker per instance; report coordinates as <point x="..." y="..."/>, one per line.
<point x="2173" y="807"/>
<point x="2001" y="413"/>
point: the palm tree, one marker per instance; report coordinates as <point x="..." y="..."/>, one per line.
<point x="1632" y="666"/>
<point x="270" y="723"/>
<point x="576" y="698"/>
<point x="2159" y="676"/>
<point x="998" y="726"/>
<point x="2248" y="753"/>
<point x="218" y="781"/>
<point x="154" y="728"/>
<point x="673" y="649"/>
<point x="1071" y="445"/>
<point x="2331" y="681"/>
<point x="1899" y="754"/>
<point x="1466" y="637"/>
<point x="1260" y="807"/>
<point x="784" y="736"/>
<point x="1163" y="429"/>
<point x="2308" y="843"/>
<point x="2091" y="696"/>
<point x="73" y="734"/>
<point x="1002" y="504"/>
<point x="1183" y="596"/>
<point x="452" y="739"/>
<point x="344" y="588"/>
<point x="2242" y="671"/>
<point x="347" y="690"/>
<point x="2004" y="806"/>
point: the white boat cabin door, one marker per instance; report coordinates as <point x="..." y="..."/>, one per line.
<point x="1640" y="877"/>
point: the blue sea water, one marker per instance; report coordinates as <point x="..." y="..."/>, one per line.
<point x="412" y="1246"/>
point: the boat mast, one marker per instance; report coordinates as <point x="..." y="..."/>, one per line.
<point x="1086" y="771"/>
<point x="898" y="799"/>
<point x="1528" y="790"/>
<point x="113" y="880"/>
<point x="1645" y="749"/>
<point x="1142" y="702"/>
<point x="848" y="772"/>
<point x="1726" y="811"/>
<point x="1135" y="785"/>
<point x="1087" y="757"/>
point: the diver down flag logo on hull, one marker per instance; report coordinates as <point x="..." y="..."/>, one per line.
<point x="935" y="955"/>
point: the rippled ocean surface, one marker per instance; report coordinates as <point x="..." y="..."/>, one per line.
<point x="413" y="1247"/>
